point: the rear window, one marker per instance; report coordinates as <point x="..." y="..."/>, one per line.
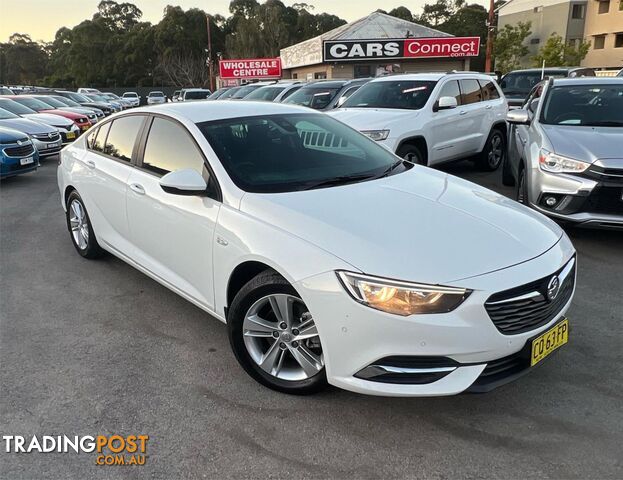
<point x="317" y="97"/>
<point x="197" y="94"/>
<point x="267" y="94"/>
<point x="404" y="94"/>
<point x="122" y="136"/>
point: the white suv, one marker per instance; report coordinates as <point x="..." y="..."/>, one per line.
<point x="432" y="118"/>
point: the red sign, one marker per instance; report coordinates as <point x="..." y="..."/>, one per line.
<point x="250" y="68"/>
<point x="442" y="47"/>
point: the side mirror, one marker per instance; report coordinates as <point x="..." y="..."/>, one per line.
<point x="446" y="103"/>
<point x="518" y="117"/>
<point x="533" y="105"/>
<point x="183" y="182"/>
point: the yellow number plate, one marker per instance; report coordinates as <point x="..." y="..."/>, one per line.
<point x="549" y="341"/>
<point x="71" y="135"/>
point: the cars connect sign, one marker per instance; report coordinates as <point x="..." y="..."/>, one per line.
<point x="340" y="51"/>
<point x="250" y="68"/>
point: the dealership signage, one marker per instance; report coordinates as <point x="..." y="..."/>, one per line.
<point x="250" y="68"/>
<point x="349" y="50"/>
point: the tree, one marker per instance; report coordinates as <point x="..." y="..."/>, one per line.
<point x="401" y="12"/>
<point x="23" y="61"/>
<point x="556" y="53"/>
<point x="508" y="46"/>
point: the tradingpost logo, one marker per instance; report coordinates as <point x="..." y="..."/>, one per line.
<point x="108" y="449"/>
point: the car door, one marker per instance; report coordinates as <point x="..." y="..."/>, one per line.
<point x="173" y="234"/>
<point x="447" y="130"/>
<point x="107" y="165"/>
<point x="519" y="133"/>
<point x="474" y="111"/>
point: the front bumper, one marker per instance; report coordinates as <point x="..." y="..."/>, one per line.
<point x="590" y="199"/>
<point x="46" y="149"/>
<point x="354" y="336"/>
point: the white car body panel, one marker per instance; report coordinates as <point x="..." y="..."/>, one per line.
<point x="421" y="225"/>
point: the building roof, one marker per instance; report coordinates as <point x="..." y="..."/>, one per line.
<point x="380" y="25"/>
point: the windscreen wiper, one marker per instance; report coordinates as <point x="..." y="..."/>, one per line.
<point x="340" y="180"/>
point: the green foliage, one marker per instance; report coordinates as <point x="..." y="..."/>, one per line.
<point x="509" y="48"/>
<point x="22" y="61"/>
<point x="401" y="12"/>
<point x="556" y="53"/>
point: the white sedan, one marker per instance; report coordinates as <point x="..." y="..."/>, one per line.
<point x="329" y="258"/>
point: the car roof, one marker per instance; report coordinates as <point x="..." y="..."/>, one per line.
<point x="589" y="81"/>
<point x="222" y="109"/>
<point x="549" y="69"/>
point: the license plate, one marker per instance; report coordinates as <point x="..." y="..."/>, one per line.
<point x="26" y="161"/>
<point x="71" y="135"/>
<point x="52" y="145"/>
<point x="549" y="341"/>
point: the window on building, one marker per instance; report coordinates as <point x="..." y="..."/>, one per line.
<point x="618" y="40"/>
<point x="295" y="75"/>
<point x="320" y="75"/>
<point x="620" y="5"/>
<point x="538" y="9"/>
<point x="604" y="6"/>
<point x="362" y="71"/>
<point x="578" y="11"/>
<point x="599" y="42"/>
<point x="535" y="41"/>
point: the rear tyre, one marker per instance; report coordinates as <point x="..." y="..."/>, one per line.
<point x="80" y="229"/>
<point x="494" y="152"/>
<point x="274" y="337"/>
<point x="411" y="153"/>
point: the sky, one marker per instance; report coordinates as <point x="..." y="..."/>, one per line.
<point x="42" y="18"/>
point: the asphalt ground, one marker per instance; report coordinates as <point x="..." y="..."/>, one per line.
<point x="95" y="347"/>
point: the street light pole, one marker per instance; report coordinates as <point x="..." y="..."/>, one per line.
<point x="210" y="54"/>
<point x="490" y="30"/>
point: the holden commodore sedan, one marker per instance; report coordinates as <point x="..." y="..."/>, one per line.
<point x="330" y="261"/>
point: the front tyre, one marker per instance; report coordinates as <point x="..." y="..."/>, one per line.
<point x="412" y="154"/>
<point x="79" y="225"/>
<point x="494" y="152"/>
<point x="274" y="337"/>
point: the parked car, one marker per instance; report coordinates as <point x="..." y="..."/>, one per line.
<point x="432" y="118"/>
<point x="176" y="95"/>
<point x="566" y="151"/>
<point x="245" y="90"/>
<point x="517" y="84"/>
<point x="98" y="97"/>
<point x="66" y="127"/>
<point x="18" y="155"/>
<point x="70" y="103"/>
<point x="125" y="103"/>
<point x="156" y="97"/>
<point x="227" y="94"/>
<point x="273" y="235"/>
<point x="45" y="138"/>
<point x="88" y="90"/>
<point x="133" y="97"/>
<point x="274" y="93"/>
<point x="6" y="91"/>
<point x="57" y="104"/>
<point x="218" y="93"/>
<point x="325" y="94"/>
<point x="105" y="107"/>
<point x="189" y="94"/>
<point x="81" y="121"/>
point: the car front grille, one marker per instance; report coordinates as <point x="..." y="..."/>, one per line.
<point x="45" y="137"/>
<point x="608" y="200"/>
<point x="21" y="151"/>
<point x="527" y="307"/>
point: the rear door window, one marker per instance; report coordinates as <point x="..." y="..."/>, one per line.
<point x="99" y="138"/>
<point x="489" y="91"/>
<point x="470" y="91"/>
<point x="122" y="137"/>
<point x="451" y="89"/>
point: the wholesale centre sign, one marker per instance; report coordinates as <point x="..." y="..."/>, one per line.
<point x="250" y="68"/>
<point x="349" y="50"/>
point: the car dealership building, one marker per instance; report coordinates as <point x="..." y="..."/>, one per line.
<point x="377" y="45"/>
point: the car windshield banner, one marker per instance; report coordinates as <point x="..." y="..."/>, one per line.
<point x="348" y="50"/>
<point x="250" y="68"/>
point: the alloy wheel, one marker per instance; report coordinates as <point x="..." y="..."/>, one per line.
<point x="496" y="152"/>
<point x="281" y="338"/>
<point x="79" y="224"/>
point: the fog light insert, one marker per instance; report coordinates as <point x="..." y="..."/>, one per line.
<point x="550" y="201"/>
<point x="554" y="201"/>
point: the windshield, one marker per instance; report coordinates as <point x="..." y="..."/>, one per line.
<point x="229" y="93"/>
<point x="290" y="152"/>
<point x="219" y="93"/>
<point x="14" y="107"/>
<point x="244" y="91"/>
<point x="130" y="94"/>
<point x="52" y="102"/>
<point x="112" y="96"/>
<point x="77" y="97"/>
<point x="585" y="105"/>
<point x="67" y="102"/>
<point x="520" y="83"/>
<point x="97" y="98"/>
<point x="5" y="114"/>
<point x="156" y="94"/>
<point x="404" y="94"/>
<point x="197" y="95"/>
<point x="267" y="94"/>
<point x="33" y="103"/>
<point x="317" y="96"/>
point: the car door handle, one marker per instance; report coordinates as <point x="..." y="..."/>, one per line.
<point x="137" y="188"/>
<point x="463" y="112"/>
<point x="489" y="107"/>
<point x="89" y="163"/>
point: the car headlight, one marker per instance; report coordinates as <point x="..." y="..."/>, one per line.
<point x="550" y="162"/>
<point x="376" y="135"/>
<point x="402" y="298"/>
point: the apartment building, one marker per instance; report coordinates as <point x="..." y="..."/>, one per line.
<point x="604" y="30"/>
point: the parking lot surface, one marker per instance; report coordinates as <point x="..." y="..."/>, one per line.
<point x="96" y="347"/>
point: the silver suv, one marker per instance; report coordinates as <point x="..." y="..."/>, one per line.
<point x="566" y="151"/>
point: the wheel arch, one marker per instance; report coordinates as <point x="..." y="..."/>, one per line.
<point x="418" y="141"/>
<point x="66" y="193"/>
<point x="501" y="125"/>
<point x="242" y="274"/>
